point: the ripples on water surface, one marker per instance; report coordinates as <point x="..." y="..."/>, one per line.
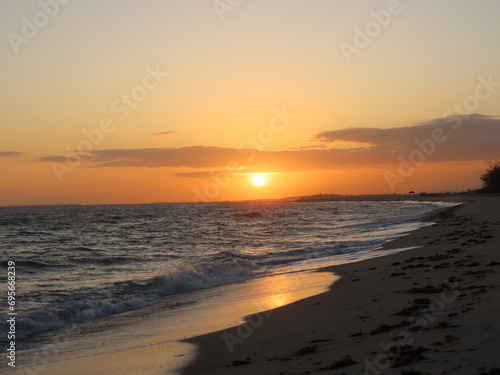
<point x="77" y="263"/>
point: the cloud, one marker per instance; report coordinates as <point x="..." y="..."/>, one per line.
<point x="473" y="137"/>
<point x="194" y="157"/>
<point x="210" y="174"/>
<point x="53" y="159"/>
<point x="63" y="159"/>
<point x="164" y="133"/>
<point x="464" y="138"/>
<point x="11" y="154"/>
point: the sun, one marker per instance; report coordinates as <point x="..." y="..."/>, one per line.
<point x="259" y="180"/>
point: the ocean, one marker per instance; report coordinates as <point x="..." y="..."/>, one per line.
<point x="78" y="264"/>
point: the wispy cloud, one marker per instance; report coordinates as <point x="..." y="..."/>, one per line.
<point x="193" y="157"/>
<point x="53" y="159"/>
<point x="12" y="154"/>
<point x="209" y="174"/>
<point x="63" y="159"/>
<point x="468" y="138"/>
<point x="161" y="134"/>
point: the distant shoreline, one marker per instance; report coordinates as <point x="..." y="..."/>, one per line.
<point x="305" y="198"/>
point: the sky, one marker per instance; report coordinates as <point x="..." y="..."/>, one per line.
<point x="189" y="100"/>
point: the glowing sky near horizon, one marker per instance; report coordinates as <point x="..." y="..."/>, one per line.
<point x="173" y="76"/>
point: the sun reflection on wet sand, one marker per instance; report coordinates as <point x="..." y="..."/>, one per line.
<point x="160" y="328"/>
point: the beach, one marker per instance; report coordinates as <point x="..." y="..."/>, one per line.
<point x="428" y="310"/>
<point x="431" y="310"/>
<point x="250" y="187"/>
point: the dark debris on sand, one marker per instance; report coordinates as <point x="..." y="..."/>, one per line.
<point x="347" y="361"/>
<point x="408" y="355"/>
<point x="409" y="311"/>
<point x="411" y="372"/>
<point x="493" y="371"/>
<point x="319" y="340"/>
<point x="306" y="350"/>
<point x="429" y="289"/>
<point x="240" y="362"/>
<point x="386" y="328"/>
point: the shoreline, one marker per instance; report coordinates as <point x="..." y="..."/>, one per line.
<point x="298" y="199"/>
<point x="421" y="303"/>
<point x="299" y="337"/>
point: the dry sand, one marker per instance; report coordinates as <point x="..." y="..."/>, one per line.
<point x="432" y="310"/>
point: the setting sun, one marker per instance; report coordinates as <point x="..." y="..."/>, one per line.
<point x="259" y="180"/>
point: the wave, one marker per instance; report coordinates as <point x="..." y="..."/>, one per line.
<point x="21" y="264"/>
<point x="129" y="295"/>
<point x="106" y="260"/>
<point x="12" y="221"/>
<point x="324" y="250"/>
<point x="262" y="247"/>
<point x="253" y="214"/>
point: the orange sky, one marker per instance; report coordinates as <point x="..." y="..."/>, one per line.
<point x="125" y="102"/>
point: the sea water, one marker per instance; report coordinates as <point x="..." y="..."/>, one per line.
<point x="77" y="264"/>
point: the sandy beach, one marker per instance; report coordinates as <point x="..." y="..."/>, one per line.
<point x="253" y="187"/>
<point x="431" y="310"/>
